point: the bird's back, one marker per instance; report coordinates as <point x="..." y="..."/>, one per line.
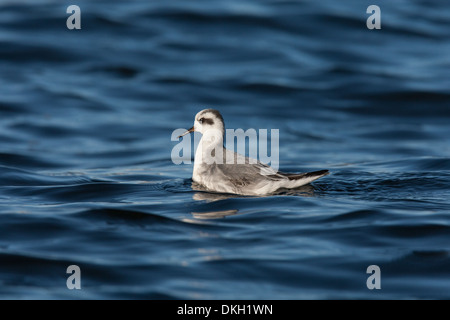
<point x="238" y="174"/>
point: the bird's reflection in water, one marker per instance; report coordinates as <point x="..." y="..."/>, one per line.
<point x="205" y="195"/>
<point x="214" y="214"/>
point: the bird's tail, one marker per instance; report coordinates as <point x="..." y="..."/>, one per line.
<point x="300" y="179"/>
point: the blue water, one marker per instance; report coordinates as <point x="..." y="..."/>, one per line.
<point x="86" y="176"/>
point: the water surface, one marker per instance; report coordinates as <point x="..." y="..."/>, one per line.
<point x="86" y="176"/>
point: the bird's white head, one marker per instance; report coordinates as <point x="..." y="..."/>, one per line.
<point x="208" y="120"/>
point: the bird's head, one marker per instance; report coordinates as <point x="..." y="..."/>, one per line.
<point x="206" y="120"/>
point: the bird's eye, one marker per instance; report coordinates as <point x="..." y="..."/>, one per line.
<point x="201" y="120"/>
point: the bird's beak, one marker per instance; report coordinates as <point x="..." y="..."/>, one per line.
<point x="189" y="131"/>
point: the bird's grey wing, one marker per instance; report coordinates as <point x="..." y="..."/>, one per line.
<point x="244" y="171"/>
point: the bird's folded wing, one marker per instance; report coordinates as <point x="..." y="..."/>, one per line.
<point x="249" y="168"/>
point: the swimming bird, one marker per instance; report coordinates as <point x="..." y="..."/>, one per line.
<point x="221" y="170"/>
